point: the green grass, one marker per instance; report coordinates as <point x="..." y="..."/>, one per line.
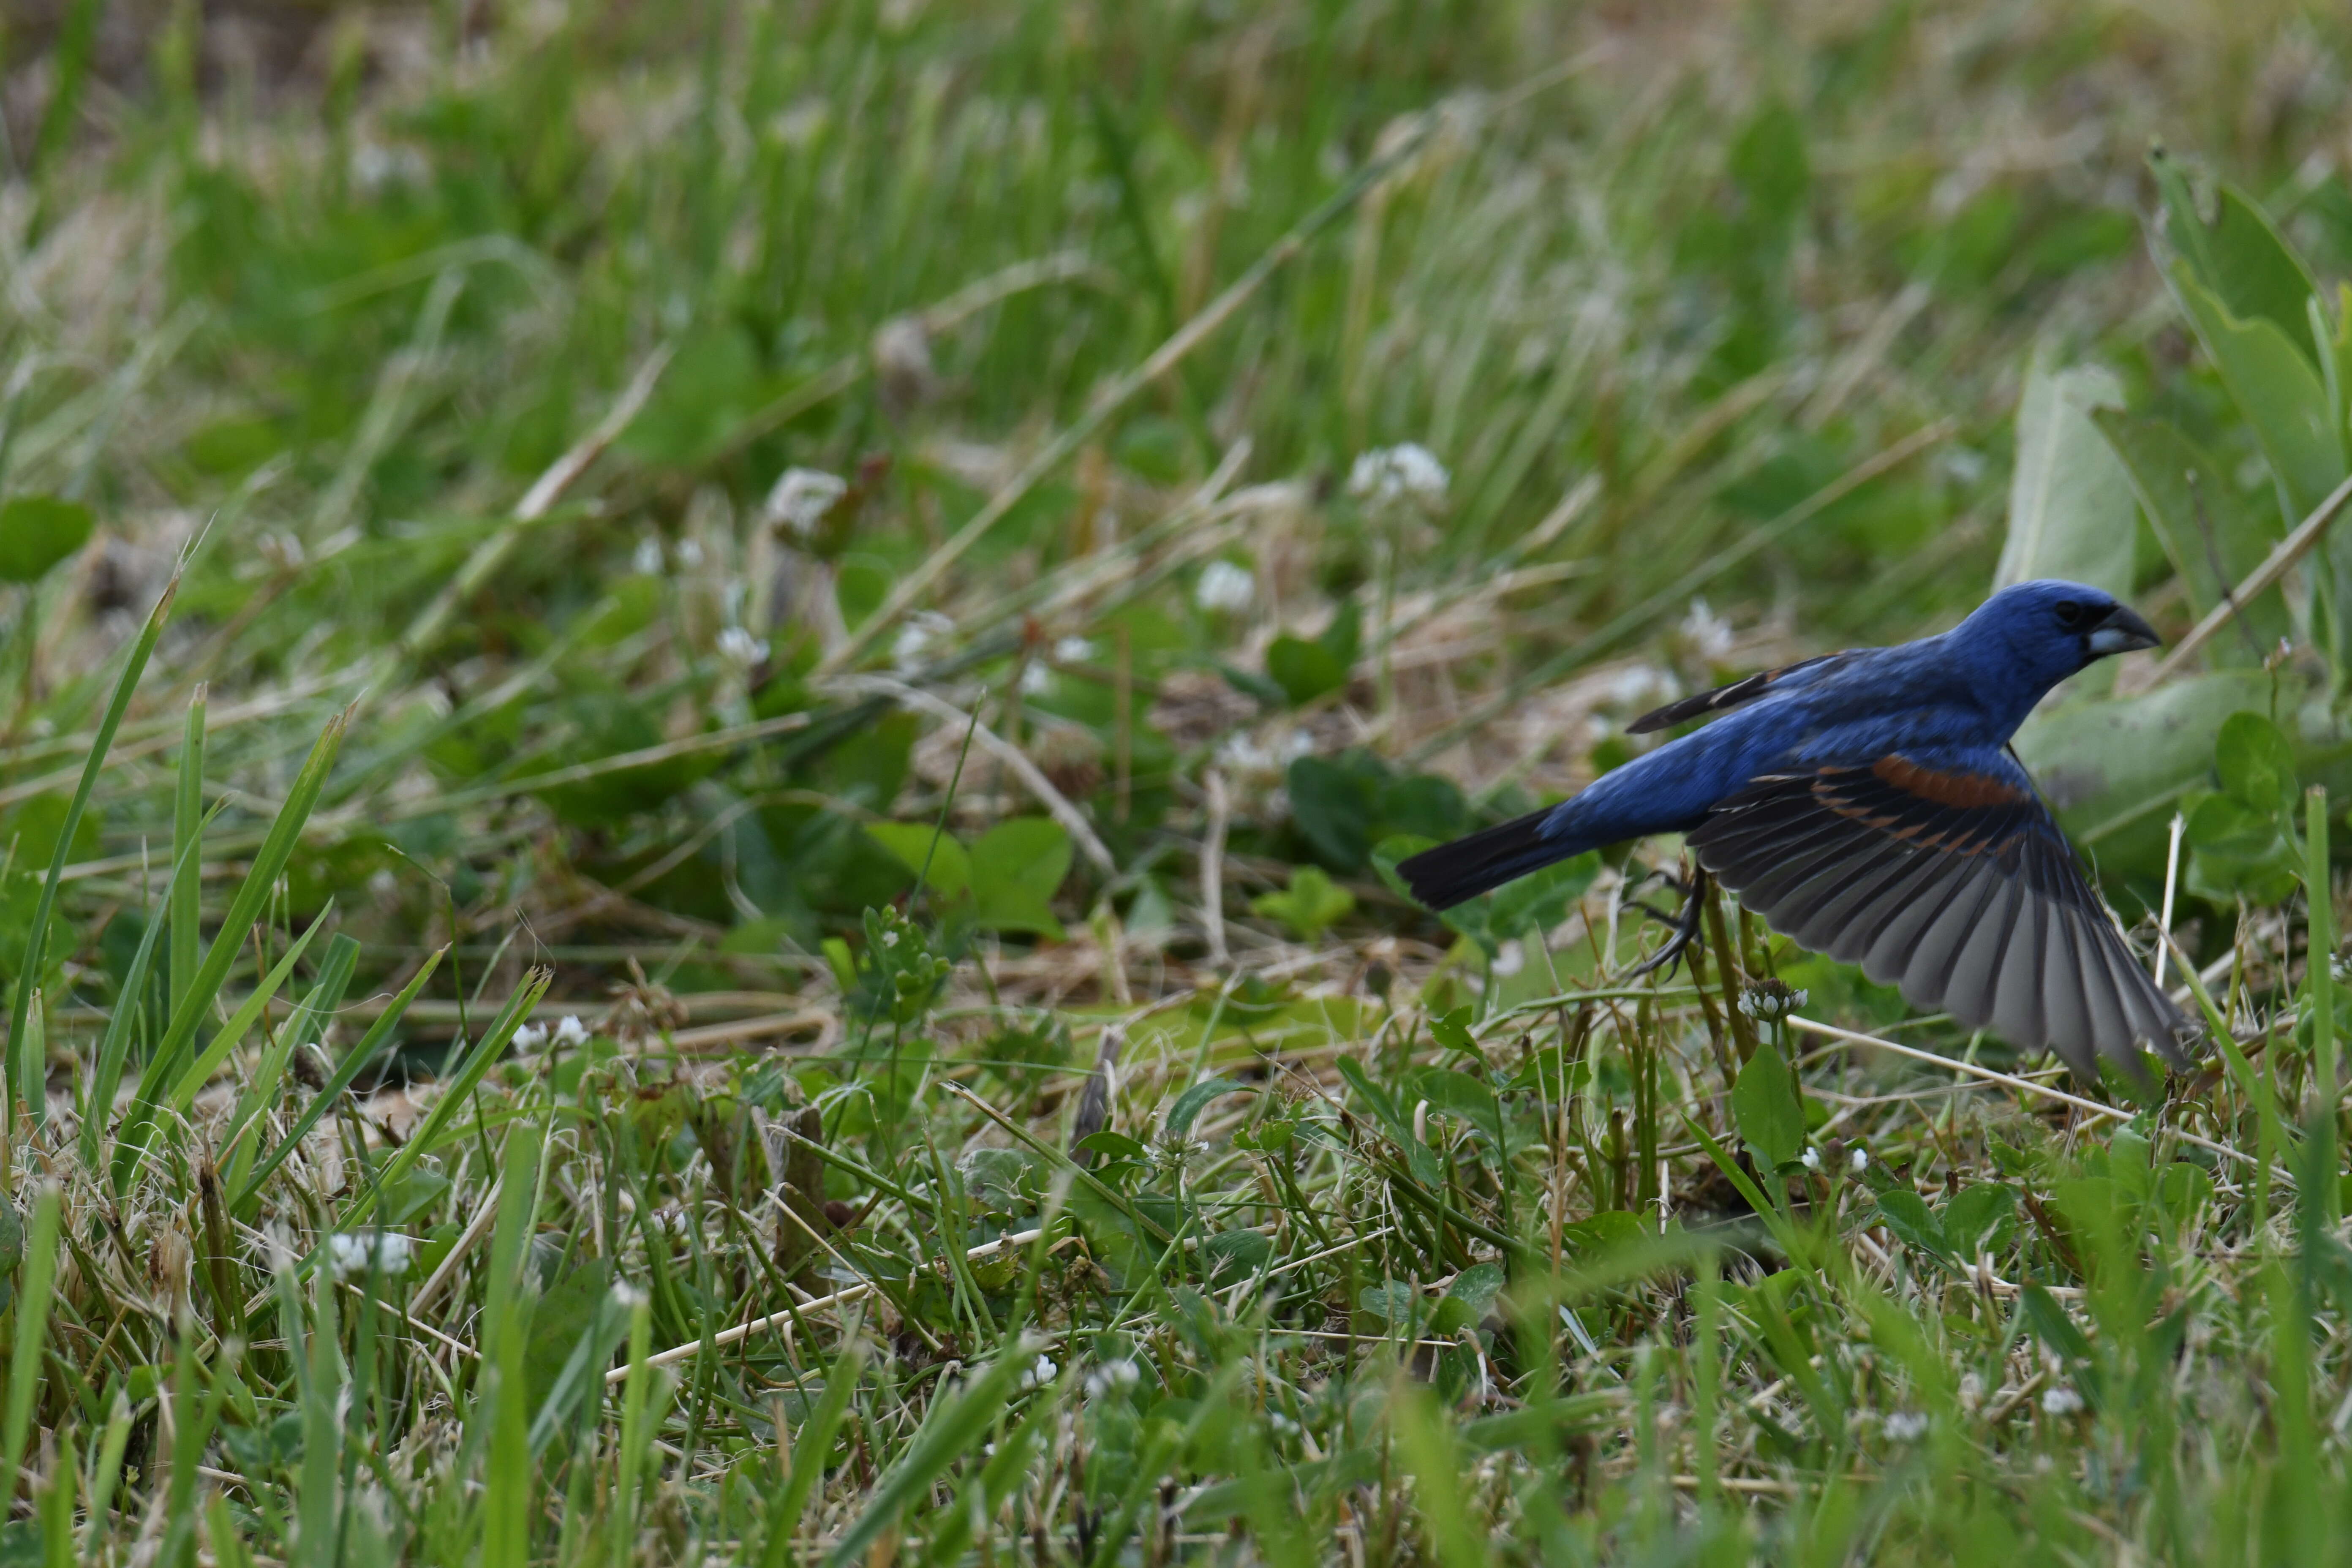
<point x="573" y="1003"/>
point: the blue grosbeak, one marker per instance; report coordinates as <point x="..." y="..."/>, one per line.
<point x="1868" y="804"/>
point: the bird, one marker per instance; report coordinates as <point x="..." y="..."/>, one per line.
<point x="1869" y="806"/>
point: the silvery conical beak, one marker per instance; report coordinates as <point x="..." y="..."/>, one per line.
<point x="2121" y="632"/>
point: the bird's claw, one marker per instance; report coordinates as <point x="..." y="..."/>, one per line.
<point x="1686" y="927"/>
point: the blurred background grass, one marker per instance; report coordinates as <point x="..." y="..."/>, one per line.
<point x="1708" y="322"/>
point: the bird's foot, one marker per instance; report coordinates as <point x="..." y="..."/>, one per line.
<point x="1686" y="927"/>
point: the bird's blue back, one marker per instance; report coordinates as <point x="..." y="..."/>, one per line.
<point x="1950" y="701"/>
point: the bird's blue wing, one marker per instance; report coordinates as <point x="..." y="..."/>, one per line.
<point x="1943" y="873"/>
<point x="1747" y="689"/>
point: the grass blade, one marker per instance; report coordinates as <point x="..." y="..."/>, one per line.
<point x="952" y="1428"/>
<point x="114" y="1049"/>
<point x="245" y="909"/>
<point x="200" y="1071"/>
<point x="429" y="1134"/>
<point x="37" y="939"/>
<point x="622" y="1528"/>
<point x="32" y="1327"/>
<point x="809" y="1448"/>
<point x="307" y="1021"/>
<point x="186" y="902"/>
<point x="370" y="1046"/>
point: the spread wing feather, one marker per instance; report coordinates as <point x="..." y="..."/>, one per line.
<point x="1955" y="885"/>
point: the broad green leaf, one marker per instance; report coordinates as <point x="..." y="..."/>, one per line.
<point x="1478" y="1286"/>
<point x="1016" y="866"/>
<point x="1343" y="640"/>
<point x="36" y="532"/>
<point x="1345" y="805"/>
<point x="2240" y="257"/>
<point x="1113" y="1145"/>
<point x="2070" y="500"/>
<point x="1765" y="1106"/>
<point x="1390" y="1302"/>
<point x="2113" y="768"/>
<point x="1979" y="1218"/>
<point x="562" y="1315"/>
<point x="1469" y="1299"/>
<point x="1236" y="1251"/>
<point x="1906" y="1214"/>
<point x="2256" y="765"/>
<point x="1452" y="1029"/>
<point x="1311" y="905"/>
<point x="911" y="845"/>
<point x="1188" y="1105"/>
<point x="1304" y="670"/>
<point x="1458" y="1094"/>
<point x="1607" y="1230"/>
<point x="2224" y="824"/>
<point x="1541" y="899"/>
<point x="2237" y="851"/>
<point x="2214" y="539"/>
<point x="2277" y="390"/>
<point x="2183" y="1189"/>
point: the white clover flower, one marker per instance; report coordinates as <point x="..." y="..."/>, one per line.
<point x="570" y="1031"/>
<point x="800" y="498"/>
<point x="1407" y="472"/>
<point x="1036" y="680"/>
<point x="1074" y="651"/>
<point x="1510" y="957"/>
<point x="2060" y="1401"/>
<point x="1771" y="1000"/>
<point x="1706" y="631"/>
<point x="1042" y="1373"/>
<point x="923" y="628"/>
<point x="1811" y="1159"/>
<point x="530" y="1037"/>
<point x="1906" y="1425"/>
<point x="1859" y="1161"/>
<point x="349" y="1255"/>
<point x="1224" y="588"/>
<point x="689" y="553"/>
<point x="1244" y="755"/>
<point x="738" y="646"/>
<point x="1111" y="1375"/>
<point x="648" y="561"/>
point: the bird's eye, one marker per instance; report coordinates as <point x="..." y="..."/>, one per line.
<point x="2070" y="614"/>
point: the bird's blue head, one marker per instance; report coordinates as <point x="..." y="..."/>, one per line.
<point x="2030" y="636"/>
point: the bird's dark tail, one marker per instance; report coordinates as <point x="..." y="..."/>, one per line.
<point x="1445" y="876"/>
